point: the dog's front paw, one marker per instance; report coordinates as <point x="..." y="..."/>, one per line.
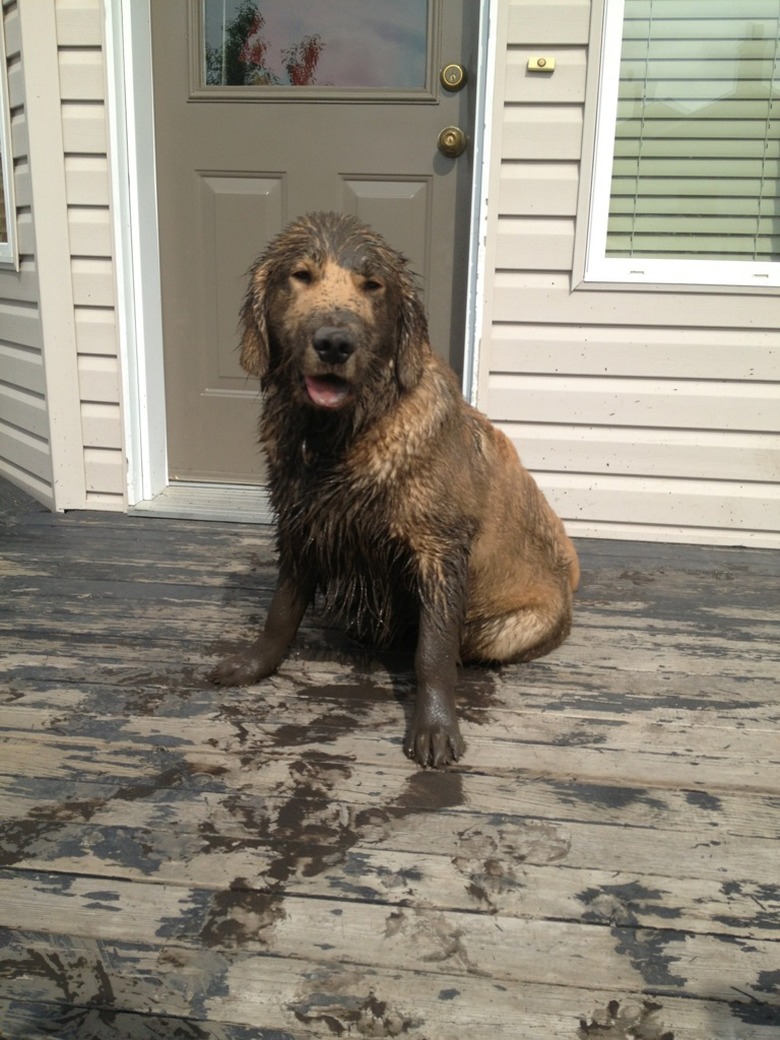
<point x="241" y="669"/>
<point x="434" y="744"/>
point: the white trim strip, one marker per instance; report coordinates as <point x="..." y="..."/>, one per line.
<point x="139" y="316"/>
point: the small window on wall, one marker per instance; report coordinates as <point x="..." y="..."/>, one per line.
<point x="8" y="254"/>
<point x="686" y="184"/>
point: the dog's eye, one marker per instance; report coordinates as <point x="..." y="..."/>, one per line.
<point x="371" y="285"/>
<point x="302" y="275"/>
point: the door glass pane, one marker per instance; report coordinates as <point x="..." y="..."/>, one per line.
<point x="366" y="44"/>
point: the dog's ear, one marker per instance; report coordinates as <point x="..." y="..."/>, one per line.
<point x="255" y="353"/>
<point x="412" y="337"/>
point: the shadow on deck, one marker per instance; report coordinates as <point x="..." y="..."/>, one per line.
<point x="182" y="861"/>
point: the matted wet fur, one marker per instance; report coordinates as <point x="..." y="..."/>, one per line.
<point x="397" y="501"/>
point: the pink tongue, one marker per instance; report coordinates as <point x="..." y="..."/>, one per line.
<point x="325" y="392"/>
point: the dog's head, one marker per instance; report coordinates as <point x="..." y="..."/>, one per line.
<point x="330" y="309"/>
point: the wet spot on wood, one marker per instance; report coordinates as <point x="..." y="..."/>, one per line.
<point x="476" y="695"/>
<point x="611" y="796"/>
<point x="428" y="790"/>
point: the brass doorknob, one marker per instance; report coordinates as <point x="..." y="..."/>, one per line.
<point x="452" y="142"/>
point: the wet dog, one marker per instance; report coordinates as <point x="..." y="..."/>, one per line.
<point x="395" y="500"/>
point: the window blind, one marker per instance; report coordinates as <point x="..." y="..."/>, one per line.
<point x="696" y="164"/>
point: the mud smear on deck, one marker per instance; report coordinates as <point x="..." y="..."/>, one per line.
<point x="626" y="1022"/>
<point x="71" y="976"/>
<point x="241" y="916"/>
<point x="54" y="830"/>
<point x="308" y="822"/>
<point x="492" y="858"/>
<point x="181" y="690"/>
<point x="309" y="825"/>
<point x="309" y="828"/>
<point x="339" y="1001"/>
<point x="310" y="834"/>
<point x="44" y="832"/>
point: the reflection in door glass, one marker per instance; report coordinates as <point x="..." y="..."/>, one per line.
<point x="369" y="44"/>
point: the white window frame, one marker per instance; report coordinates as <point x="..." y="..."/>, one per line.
<point x="9" y="248"/>
<point x="643" y="270"/>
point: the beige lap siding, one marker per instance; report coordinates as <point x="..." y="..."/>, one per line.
<point x="643" y="414"/>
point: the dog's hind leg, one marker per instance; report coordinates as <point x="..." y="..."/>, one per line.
<point x="520" y="635"/>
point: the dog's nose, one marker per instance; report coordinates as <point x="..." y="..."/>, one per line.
<point x="333" y="345"/>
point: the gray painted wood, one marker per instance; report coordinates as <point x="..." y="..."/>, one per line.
<point x="182" y="861"/>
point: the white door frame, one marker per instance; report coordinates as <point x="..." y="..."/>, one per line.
<point x="137" y="253"/>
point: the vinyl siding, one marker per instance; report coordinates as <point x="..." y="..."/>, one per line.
<point x="58" y="344"/>
<point x="643" y="414"/>
<point x="25" y="455"/>
<point x="87" y="183"/>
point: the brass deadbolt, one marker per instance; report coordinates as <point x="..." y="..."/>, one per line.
<point x="452" y="142"/>
<point x="453" y="77"/>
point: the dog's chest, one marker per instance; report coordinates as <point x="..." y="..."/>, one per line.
<point x="333" y="516"/>
<point x="340" y="530"/>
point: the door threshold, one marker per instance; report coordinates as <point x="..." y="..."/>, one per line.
<point x="227" y="503"/>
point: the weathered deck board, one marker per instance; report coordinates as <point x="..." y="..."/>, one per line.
<point x="331" y="1000"/>
<point x="177" y="860"/>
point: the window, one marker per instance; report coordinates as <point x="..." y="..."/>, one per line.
<point x="686" y="185"/>
<point x="345" y="43"/>
<point x="7" y="205"/>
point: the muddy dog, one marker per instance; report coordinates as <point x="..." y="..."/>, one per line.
<point x="395" y="500"/>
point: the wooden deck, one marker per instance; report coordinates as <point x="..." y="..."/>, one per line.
<point x="179" y="861"/>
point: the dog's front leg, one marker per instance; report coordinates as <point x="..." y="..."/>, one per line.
<point x="264" y="655"/>
<point x="434" y="736"/>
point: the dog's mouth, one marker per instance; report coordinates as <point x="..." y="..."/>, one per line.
<point x="327" y="391"/>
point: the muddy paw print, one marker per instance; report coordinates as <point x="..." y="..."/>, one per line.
<point x="629" y="1022"/>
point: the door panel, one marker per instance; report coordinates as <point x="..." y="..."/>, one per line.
<point x="233" y="209"/>
<point x="236" y="163"/>
<point x="403" y="205"/>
